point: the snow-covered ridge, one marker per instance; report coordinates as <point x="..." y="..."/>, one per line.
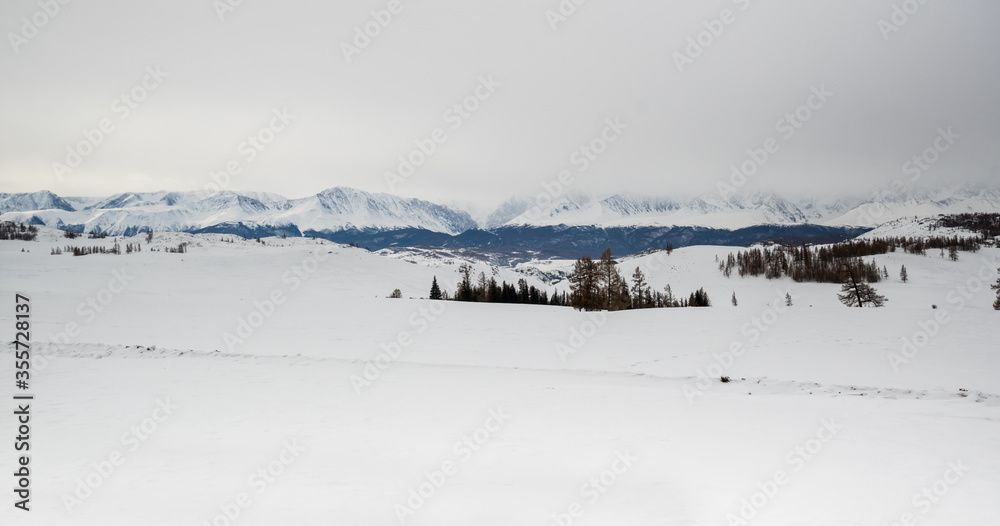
<point x="741" y="210"/>
<point x="342" y="208"/>
<point x="334" y="209"/>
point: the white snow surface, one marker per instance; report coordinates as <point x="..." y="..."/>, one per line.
<point x="565" y="422"/>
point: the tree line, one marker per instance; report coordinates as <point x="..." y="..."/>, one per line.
<point x="17" y="231"/>
<point x="599" y="285"/>
<point x="116" y="249"/>
<point x="826" y="264"/>
<point x="987" y="225"/>
<point x="485" y="289"/>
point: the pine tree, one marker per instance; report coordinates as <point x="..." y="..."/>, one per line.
<point x="788" y="299"/>
<point x="435" y="290"/>
<point x="735" y="302"/>
<point x="953" y="253"/>
<point x="903" y="275"/>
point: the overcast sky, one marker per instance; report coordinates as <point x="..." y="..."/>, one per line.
<point x="549" y="84"/>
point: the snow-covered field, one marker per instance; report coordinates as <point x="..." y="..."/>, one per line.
<point x="263" y="385"/>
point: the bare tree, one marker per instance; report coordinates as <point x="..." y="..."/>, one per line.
<point x="996" y="304"/>
<point x="857" y="293"/>
<point x="608" y="270"/>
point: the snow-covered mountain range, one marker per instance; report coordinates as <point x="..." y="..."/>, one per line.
<point x="346" y="209"/>
<point x="742" y="210"/>
<point x="332" y="210"/>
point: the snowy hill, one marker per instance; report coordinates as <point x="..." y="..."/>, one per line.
<point x="353" y="402"/>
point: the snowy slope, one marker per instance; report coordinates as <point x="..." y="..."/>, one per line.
<point x="525" y="425"/>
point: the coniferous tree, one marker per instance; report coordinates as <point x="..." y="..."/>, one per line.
<point x="858" y="293"/>
<point x="953" y="253"/>
<point x="483" y="288"/>
<point x="699" y="298"/>
<point x="639" y="287"/>
<point x="585" y="285"/>
<point x="435" y="290"/>
<point x="608" y="269"/>
<point x="788" y="299"/>
<point x="668" y="297"/>
<point x="904" y="276"/>
<point x="465" y="290"/>
<point x="996" y="287"/>
<point x="736" y="303"/>
<point x="621" y="297"/>
<point x="493" y="291"/>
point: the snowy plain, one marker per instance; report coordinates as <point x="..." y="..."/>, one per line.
<point x="342" y="406"/>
